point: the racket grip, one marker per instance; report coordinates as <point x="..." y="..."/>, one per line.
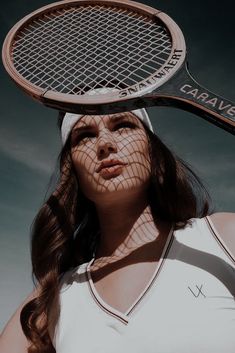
<point x="182" y="91"/>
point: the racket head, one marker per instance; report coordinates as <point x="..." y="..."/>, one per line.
<point x="62" y="51"/>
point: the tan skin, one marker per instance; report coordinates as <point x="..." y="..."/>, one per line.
<point x="131" y="243"/>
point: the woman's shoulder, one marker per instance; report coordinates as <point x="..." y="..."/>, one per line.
<point x="224" y="225"/>
<point x="224" y="222"/>
<point x="12" y="339"/>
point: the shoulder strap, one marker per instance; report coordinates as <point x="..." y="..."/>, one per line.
<point x="219" y="239"/>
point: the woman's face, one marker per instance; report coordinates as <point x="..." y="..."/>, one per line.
<point x="111" y="155"/>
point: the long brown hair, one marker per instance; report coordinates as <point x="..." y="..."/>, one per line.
<point x="64" y="233"/>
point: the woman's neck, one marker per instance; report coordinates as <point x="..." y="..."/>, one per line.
<point x="125" y="228"/>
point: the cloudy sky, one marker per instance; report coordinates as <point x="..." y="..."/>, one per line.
<point x="30" y="142"/>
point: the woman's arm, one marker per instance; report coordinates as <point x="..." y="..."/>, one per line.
<point x="12" y="339"/>
<point x="224" y="223"/>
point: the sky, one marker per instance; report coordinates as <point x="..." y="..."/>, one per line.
<point x="30" y="140"/>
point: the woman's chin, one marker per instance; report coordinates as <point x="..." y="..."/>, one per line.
<point x="118" y="189"/>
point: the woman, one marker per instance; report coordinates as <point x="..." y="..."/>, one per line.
<point x="124" y="255"/>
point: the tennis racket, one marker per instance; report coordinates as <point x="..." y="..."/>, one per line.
<point x="62" y="51"/>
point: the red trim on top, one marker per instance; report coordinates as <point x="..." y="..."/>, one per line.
<point x="114" y="314"/>
<point x="162" y="261"/>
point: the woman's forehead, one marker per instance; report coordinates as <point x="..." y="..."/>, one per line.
<point x="109" y="118"/>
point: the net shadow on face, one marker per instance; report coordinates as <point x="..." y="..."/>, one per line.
<point x="121" y="140"/>
<point x="110" y="154"/>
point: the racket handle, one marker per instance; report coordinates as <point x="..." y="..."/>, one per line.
<point x="182" y="91"/>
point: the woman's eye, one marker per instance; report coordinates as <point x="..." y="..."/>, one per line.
<point x="124" y="125"/>
<point x="85" y="136"/>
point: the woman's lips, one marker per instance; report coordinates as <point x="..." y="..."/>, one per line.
<point x="109" y="164"/>
<point x="110" y="169"/>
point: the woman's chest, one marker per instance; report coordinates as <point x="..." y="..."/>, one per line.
<point x="121" y="288"/>
<point x="187" y="309"/>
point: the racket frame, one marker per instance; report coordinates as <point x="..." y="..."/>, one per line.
<point x="166" y="90"/>
<point x="86" y="103"/>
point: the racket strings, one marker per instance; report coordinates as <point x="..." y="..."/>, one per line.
<point x="53" y="65"/>
<point x="53" y="48"/>
<point x="72" y="50"/>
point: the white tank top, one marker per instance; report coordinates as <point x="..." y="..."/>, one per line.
<point x="187" y="307"/>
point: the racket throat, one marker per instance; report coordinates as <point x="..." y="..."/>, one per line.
<point x="182" y="91"/>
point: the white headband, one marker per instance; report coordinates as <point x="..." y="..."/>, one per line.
<point x="70" y="119"/>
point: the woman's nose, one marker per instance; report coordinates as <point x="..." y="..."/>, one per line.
<point x="106" y="145"/>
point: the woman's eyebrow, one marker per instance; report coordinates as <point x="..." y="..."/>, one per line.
<point x="81" y="129"/>
<point x="118" y="118"/>
<point x="113" y="120"/>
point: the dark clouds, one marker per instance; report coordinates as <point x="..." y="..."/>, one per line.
<point x="29" y="140"/>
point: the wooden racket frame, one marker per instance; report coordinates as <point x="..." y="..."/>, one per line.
<point x="75" y="103"/>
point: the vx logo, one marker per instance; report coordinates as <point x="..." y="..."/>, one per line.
<point x="198" y="291"/>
